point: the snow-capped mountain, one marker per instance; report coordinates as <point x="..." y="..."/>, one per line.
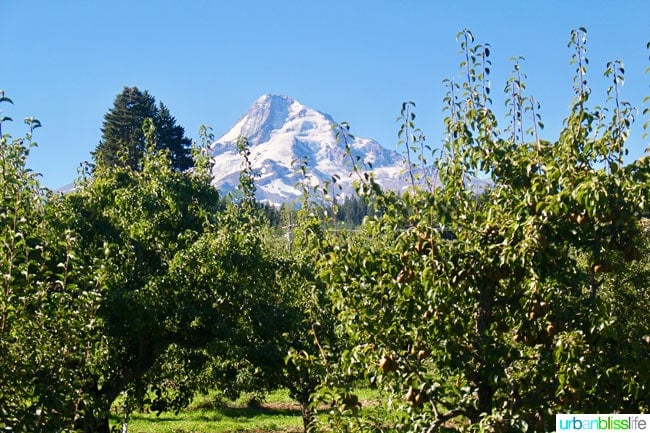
<point x="281" y="131"/>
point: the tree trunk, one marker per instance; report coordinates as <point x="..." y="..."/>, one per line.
<point x="302" y="394"/>
<point x="90" y="424"/>
<point x="481" y="377"/>
<point x="308" y="417"/>
<point x="102" y="426"/>
<point x="94" y="418"/>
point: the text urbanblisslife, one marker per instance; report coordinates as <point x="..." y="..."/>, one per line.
<point x="602" y="422"/>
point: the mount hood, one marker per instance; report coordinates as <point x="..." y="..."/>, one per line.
<point x="281" y="132"/>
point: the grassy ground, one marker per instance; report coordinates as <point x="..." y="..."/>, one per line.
<point x="208" y="415"/>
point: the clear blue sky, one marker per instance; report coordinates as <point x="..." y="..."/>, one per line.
<point x="358" y="60"/>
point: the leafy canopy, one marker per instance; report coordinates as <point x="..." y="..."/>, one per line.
<point x="484" y="308"/>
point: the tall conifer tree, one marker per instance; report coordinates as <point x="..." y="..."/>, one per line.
<point x="172" y="137"/>
<point x="123" y="141"/>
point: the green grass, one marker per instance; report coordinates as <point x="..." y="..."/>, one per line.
<point x="206" y="415"/>
<point x="209" y="414"/>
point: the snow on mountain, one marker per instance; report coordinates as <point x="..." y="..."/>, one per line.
<point x="281" y="131"/>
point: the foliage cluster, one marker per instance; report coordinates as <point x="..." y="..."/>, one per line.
<point x="517" y="316"/>
<point x="142" y="282"/>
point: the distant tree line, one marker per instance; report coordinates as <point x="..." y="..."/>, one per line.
<point x="348" y="214"/>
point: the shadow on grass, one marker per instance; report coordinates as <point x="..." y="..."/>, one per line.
<point x="252" y="412"/>
<point x="216" y="413"/>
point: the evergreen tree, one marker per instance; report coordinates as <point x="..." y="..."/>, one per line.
<point x="123" y="141"/>
<point x="172" y="137"/>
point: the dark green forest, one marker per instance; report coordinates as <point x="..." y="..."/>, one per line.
<point x="487" y="312"/>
